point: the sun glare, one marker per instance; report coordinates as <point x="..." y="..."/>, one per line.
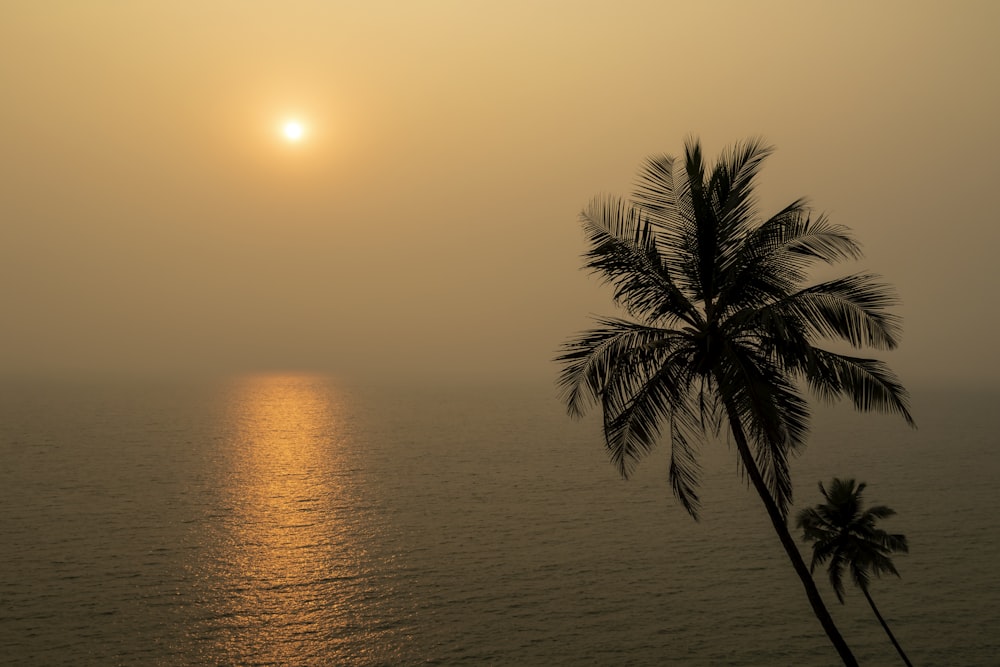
<point x="293" y="130"/>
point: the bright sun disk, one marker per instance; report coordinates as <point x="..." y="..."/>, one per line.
<point x="293" y="130"/>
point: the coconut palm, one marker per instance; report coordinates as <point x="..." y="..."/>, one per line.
<point x="844" y="533"/>
<point x="722" y="329"/>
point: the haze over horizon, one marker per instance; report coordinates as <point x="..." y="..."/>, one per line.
<point x="155" y="219"/>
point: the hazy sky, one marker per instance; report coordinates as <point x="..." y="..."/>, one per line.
<point x="153" y="219"/>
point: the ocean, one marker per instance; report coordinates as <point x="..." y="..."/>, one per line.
<point x="301" y="520"/>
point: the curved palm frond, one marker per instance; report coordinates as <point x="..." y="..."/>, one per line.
<point x="731" y="189"/>
<point x="868" y="383"/>
<point x="654" y="193"/>
<point x="684" y="471"/>
<point x="852" y="308"/>
<point x="879" y="512"/>
<point x="623" y="251"/>
<point x="634" y="414"/>
<point x="760" y="272"/>
<point x="819" y="239"/>
<point x="590" y="359"/>
<point x="772" y="261"/>
<point x="702" y="247"/>
<point x="669" y="209"/>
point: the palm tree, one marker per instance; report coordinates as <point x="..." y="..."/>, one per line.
<point x="845" y="535"/>
<point x="722" y="329"/>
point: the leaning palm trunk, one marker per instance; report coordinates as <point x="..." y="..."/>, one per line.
<point x="885" y="626"/>
<point x="781" y="528"/>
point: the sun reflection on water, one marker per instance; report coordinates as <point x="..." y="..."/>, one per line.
<point x="293" y="561"/>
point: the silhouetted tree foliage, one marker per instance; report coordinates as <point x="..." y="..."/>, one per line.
<point x="722" y="329"/>
<point x="844" y="536"/>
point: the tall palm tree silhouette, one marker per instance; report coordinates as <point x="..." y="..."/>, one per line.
<point x="722" y="329"/>
<point x="843" y="533"/>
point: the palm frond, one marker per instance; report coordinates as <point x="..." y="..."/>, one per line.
<point x="635" y="405"/>
<point x="869" y="383"/>
<point x="759" y="264"/>
<point x="702" y="247"/>
<point x="663" y="196"/>
<point x="654" y="192"/>
<point x="792" y="235"/>
<point x="878" y="512"/>
<point x="623" y="252"/>
<point x="731" y="188"/>
<point x="852" y="308"/>
<point x="860" y="575"/>
<point x="879" y="563"/>
<point x="771" y="262"/>
<point x="590" y="359"/>
<point x="697" y="416"/>
<point x="684" y="472"/>
<point x="819" y="239"/>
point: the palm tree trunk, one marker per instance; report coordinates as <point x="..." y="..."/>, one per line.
<point x="781" y="528"/>
<point x="885" y="626"/>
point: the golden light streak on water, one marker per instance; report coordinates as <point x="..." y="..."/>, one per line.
<point x="293" y="561"/>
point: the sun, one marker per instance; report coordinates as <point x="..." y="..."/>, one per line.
<point x="293" y="130"/>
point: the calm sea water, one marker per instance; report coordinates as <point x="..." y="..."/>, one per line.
<point x="294" y="520"/>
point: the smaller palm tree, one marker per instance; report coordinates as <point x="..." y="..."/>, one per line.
<point x="844" y="533"/>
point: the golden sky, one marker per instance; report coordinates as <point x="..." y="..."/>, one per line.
<point x="152" y="218"/>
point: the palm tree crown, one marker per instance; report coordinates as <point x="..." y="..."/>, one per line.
<point x="843" y="532"/>
<point x="722" y="326"/>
